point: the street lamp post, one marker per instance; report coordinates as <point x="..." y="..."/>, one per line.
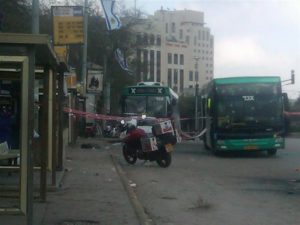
<point x="196" y="106"/>
<point x="196" y="92"/>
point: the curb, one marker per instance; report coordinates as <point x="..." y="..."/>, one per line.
<point x="137" y="206"/>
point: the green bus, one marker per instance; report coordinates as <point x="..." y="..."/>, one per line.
<point x="149" y="98"/>
<point x="243" y="113"/>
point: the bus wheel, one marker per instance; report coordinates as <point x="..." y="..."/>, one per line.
<point x="272" y="152"/>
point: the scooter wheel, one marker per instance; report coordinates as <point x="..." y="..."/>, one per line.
<point x="164" y="159"/>
<point x="129" y="156"/>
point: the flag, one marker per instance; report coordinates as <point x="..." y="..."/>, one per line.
<point x="121" y="60"/>
<point x="112" y="20"/>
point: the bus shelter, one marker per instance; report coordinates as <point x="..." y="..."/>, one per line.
<point x="30" y="83"/>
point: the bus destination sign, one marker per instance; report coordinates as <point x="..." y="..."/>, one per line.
<point x="146" y="90"/>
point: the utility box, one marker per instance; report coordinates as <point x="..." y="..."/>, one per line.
<point x="163" y="128"/>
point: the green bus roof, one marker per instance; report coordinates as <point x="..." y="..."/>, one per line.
<point x="248" y="79"/>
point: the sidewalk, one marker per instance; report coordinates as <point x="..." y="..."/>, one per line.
<point x="91" y="192"/>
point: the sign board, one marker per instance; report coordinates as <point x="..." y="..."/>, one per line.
<point x="67" y="25"/>
<point x="94" y="81"/>
<point x="71" y="80"/>
<point x="61" y="52"/>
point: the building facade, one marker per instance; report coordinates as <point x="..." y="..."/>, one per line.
<point x="176" y="49"/>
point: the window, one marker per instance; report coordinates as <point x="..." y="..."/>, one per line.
<point x="187" y="39"/>
<point x="169" y="77"/>
<point x="191" y="75"/>
<point x="152" y="39"/>
<point x="166" y="27"/>
<point x="145" y="39"/>
<point x="196" y="76"/>
<point x="158" y="40"/>
<point x="175" y="59"/>
<point x="180" y="34"/>
<point x="158" y="78"/>
<point x="175" y="76"/>
<point x="181" y="59"/>
<point x="169" y="58"/>
<point x="173" y="27"/>
<point x="181" y="72"/>
<point x="195" y="40"/>
<point x="211" y="43"/>
<point x="138" y="39"/>
<point x="139" y="59"/>
<point x="145" y="64"/>
<point x="152" y="65"/>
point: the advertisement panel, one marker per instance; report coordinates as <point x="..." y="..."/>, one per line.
<point x="94" y="82"/>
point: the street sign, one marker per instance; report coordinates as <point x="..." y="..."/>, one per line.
<point x="67" y="25"/>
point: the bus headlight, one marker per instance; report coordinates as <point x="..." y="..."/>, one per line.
<point x="144" y="116"/>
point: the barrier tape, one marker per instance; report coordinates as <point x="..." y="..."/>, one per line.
<point x="75" y="112"/>
<point x="186" y="135"/>
<point x="292" y="113"/>
<point x="97" y="116"/>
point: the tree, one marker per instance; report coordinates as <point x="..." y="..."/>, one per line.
<point x="296" y="105"/>
<point x="101" y="42"/>
<point x="16" y="16"/>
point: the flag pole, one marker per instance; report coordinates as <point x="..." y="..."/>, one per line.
<point x="84" y="48"/>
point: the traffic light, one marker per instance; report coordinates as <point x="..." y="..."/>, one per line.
<point x="292" y="77"/>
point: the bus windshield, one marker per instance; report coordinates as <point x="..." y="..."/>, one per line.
<point x="254" y="106"/>
<point x="151" y="105"/>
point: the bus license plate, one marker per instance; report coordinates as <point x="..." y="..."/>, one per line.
<point x="169" y="147"/>
<point x="251" y="147"/>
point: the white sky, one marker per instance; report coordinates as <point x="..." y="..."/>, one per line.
<point x="252" y="37"/>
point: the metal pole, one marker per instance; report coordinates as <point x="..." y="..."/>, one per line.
<point x="134" y="8"/>
<point x="84" y="47"/>
<point x="35" y="17"/>
<point x="196" y="94"/>
<point x="30" y="119"/>
<point x="106" y="90"/>
<point x="196" y="107"/>
<point x="44" y="136"/>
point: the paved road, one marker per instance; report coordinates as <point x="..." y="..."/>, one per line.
<point x="239" y="189"/>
